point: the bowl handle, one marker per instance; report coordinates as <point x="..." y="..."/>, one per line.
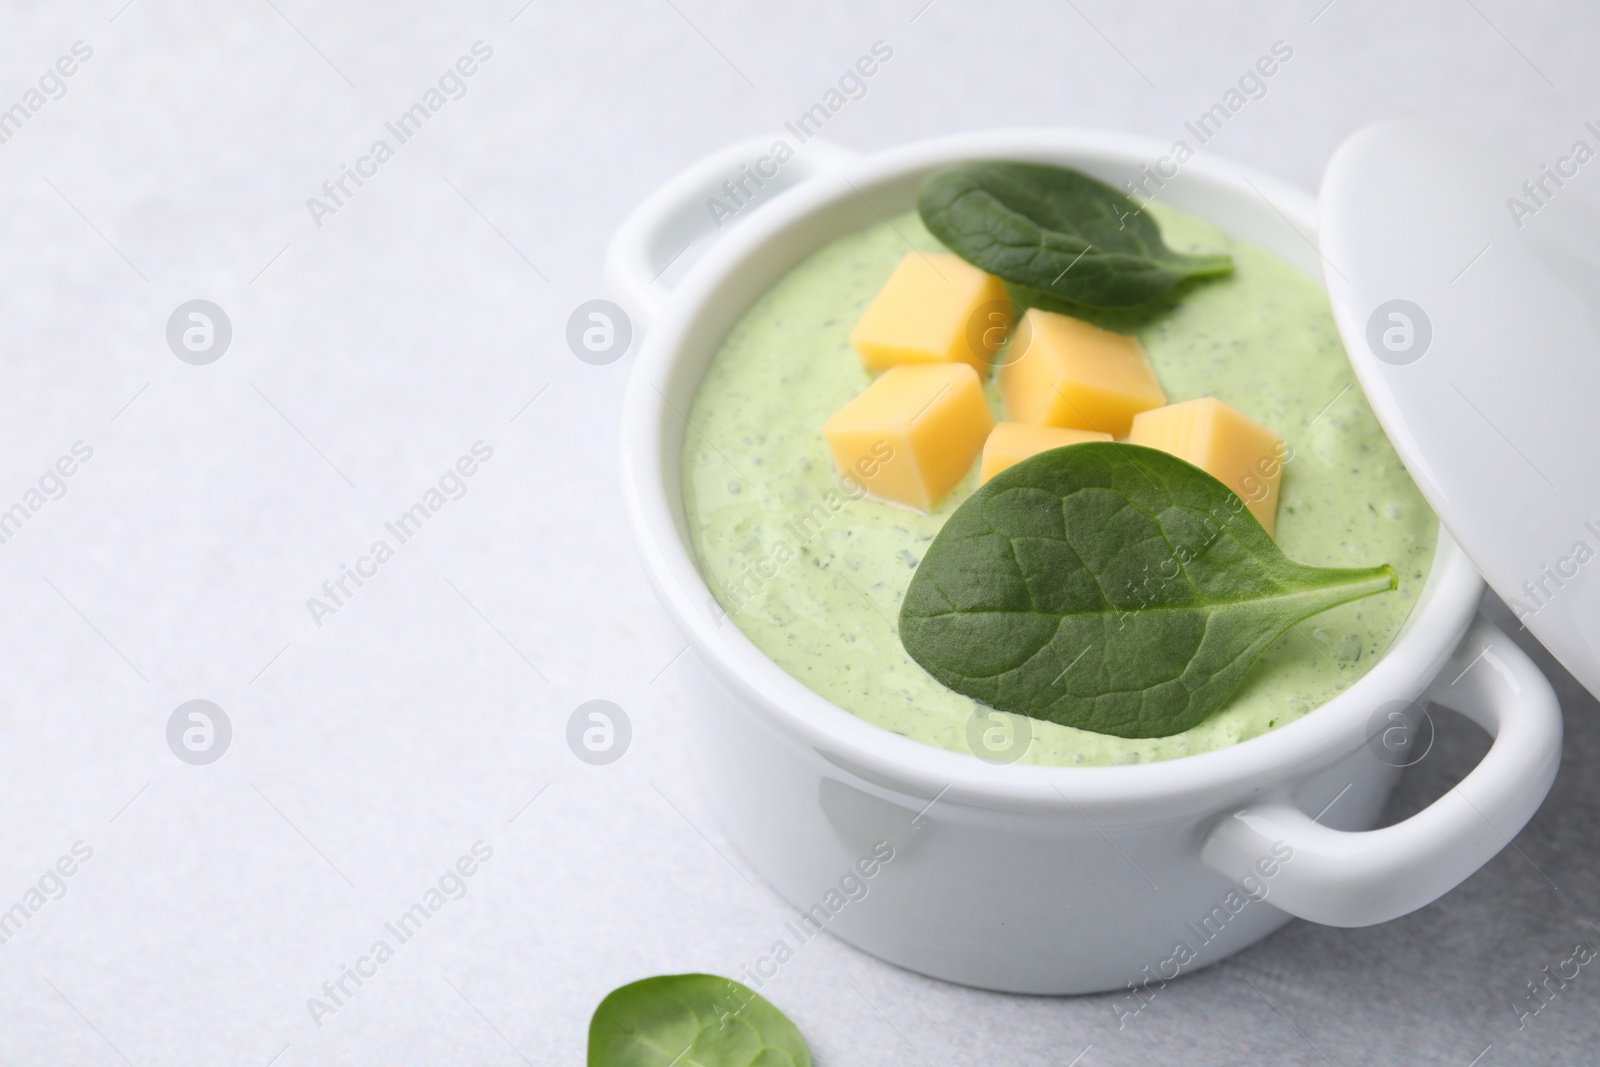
<point x="705" y="198"/>
<point x="1357" y="879"/>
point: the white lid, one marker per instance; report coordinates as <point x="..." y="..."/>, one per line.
<point x="1470" y="307"/>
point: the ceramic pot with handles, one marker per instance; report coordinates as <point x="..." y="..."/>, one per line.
<point x="1036" y="879"/>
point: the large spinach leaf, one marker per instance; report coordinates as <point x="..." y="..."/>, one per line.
<point x="1109" y="587"/>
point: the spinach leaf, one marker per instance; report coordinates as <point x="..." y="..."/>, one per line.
<point x="1109" y="587"/>
<point x="1057" y="232"/>
<point x="692" y="1020"/>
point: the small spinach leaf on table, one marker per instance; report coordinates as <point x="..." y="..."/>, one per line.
<point x="692" y="1020"/>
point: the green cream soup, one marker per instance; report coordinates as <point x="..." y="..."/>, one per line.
<point x="813" y="572"/>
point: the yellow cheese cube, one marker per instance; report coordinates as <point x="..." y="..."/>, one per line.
<point x="912" y="435"/>
<point x="1013" y="442"/>
<point x="1231" y="447"/>
<point x="935" y="308"/>
<point x="1069" y="373"/>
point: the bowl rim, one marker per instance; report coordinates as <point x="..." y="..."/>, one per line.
<point x="1444" y="609"/>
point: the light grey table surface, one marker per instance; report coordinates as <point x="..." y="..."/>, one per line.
<point x="370" y="352"/>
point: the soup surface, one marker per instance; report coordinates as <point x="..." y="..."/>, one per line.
<point x="813" y="572"/>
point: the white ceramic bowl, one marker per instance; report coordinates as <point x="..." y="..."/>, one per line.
<point x="1022" y="878"/>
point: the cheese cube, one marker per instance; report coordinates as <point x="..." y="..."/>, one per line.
<point x="910" y="436"/>
<point x="935" y="308"/>
<point x="1231" y="447"/>
<point x="1069" y="373"/>
<point x="1013" y="442"/>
